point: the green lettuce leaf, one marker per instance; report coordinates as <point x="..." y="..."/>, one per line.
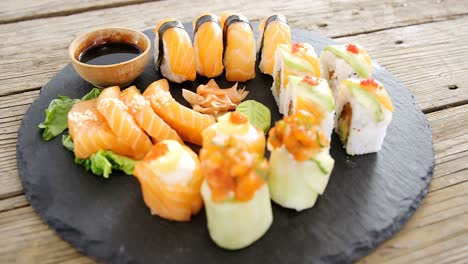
<point x="56" y="120"/>
<point x="259" y="115"/>
<point x="102" y="162"/>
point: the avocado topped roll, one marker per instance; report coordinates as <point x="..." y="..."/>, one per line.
<point x="236" y="197"/>
<point x="312" y="95"/>
<point x="300" y="163"/>
<point x="298" y="59"/>
<point x="363" y="112"/>
<point x="341" y="62"/>
<point x="234" y="128"/>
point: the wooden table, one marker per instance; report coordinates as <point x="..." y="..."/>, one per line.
<point x="423" y="43"/>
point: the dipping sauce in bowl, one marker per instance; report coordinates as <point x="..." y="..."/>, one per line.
<point x="110" y="56"/>
<point x="109" y="53"/>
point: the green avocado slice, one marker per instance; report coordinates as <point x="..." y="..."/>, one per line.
<point x="359" y="65"/>
<point x="367" y="100"/>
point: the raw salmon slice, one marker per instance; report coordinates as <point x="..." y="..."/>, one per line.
<point x="90" y="132"/>
<point x="145" y="116"/>
<point x="208" y="45"/>
<point x="188" y="123"/>
<point x="176" y="200"/>
<point x="121" y="121"/>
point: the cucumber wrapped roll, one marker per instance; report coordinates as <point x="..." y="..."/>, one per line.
<point x="363" y="113"/>
<point x="236" y="196"/>
<point x="300" y="165"/>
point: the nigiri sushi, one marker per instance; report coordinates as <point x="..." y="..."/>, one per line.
<point x="274" y="30"/>
<point x="121" y="122"/>
<point x="90" y="132"/>
<point x="235" y="128"/>
<point x="297" y="59"/>
<point x="170" y="179"/>
<point x="174" y="55"/>
<point x="363" y="113"/>
<point x="300" y="163"/>
<point x="208" y="45"/>
<point x="145" y="116"/>
<point x="239" y="47"/>
<point x="340" y="62"/>
<point x="312" y="95"/>
<point x="236" y="197"/>
<point x="186" y="122"/>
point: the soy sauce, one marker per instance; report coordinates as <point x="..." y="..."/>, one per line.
<point x="109" y="53"/>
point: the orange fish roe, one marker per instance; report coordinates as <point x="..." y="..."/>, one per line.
<point x="157" y="151"/>
<point x="369" y="82"/>
<point x="310" y="80"/>
<point x="352" y="48"/>
<point x="238" y="118"/>
<point x="300" y="135"/>
<point x="232" y="172"/>
<point x="295" y="47"/>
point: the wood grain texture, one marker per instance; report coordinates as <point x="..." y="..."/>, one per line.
<point x="31" y="52"/>
<point x="19" y="10"/>
<point x="436" y="227"/>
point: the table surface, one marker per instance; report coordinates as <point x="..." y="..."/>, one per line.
<point x="422" y="42"/>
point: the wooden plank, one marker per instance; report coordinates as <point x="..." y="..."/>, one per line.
<point x="13" y="203"/>
<point x="429" y="70"/>
<point x="439" y="227"/>
<point x="19" y="10"/>
<point x="32" y="51"/>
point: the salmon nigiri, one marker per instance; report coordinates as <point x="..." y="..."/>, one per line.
<point x="208" y="45"/>
<point x="121" y="121"/>
<point x="274" y="30"/>
<point x="239" y="47"/>
<point x="170" y="179"/>
<point x="90" y="132"/>
<point x="145" y="116"/>
<point x="188" y="123"/>
<point x="173" y="51"/>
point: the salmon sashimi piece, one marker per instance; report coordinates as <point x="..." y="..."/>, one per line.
<point x="239" y="54"/>
<point x="208" y="45"/>
<point x="121" y="121"/>
<point x="277" y="32"/>
<point x="171" y="186"/>
<point x="176" y="57"/>
<point x="145" y="116"/>
<point x="188" y="123"/>
<point x="90" y="132"/>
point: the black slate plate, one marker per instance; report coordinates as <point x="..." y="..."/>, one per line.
<point x="367" y="200"/>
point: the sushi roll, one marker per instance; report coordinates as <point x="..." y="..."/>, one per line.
<point x="297" y="59"/>
<point x="300" y="163"/>
<point x="274" y="30"/>
<point x="239" y="47"/>
<point x="170" y="179"/>
<point x="312" y="95"/>
<point x="363" y="112"/>
<point x="208" y="45"/>
<point x="236" y="197"/>
<point x="340" y="62"/>
<point x="235" y="128"/>
<point x="174" y="55"/>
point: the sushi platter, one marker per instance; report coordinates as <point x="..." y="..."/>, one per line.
<point x="261" y="143"/>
